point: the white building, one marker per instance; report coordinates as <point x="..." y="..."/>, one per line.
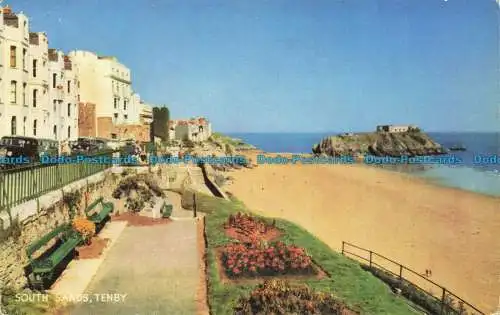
<point x="105" y="82"/>
<point x="135" y="108"/>
<point x="38" y="94"/>
<point x="63" y="95"/>
<point x="14" y="45"/>
<point x="146" y="113"/>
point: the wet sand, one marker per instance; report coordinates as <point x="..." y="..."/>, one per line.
<point x="454" y="233"/>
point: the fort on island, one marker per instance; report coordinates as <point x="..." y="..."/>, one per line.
<point x="396" y="128"/>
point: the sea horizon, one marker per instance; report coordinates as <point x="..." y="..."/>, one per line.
<point x="483" y="179"/>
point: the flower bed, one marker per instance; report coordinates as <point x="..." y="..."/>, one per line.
<point x="249" y="229"/>
<point x="255" y="260"/>
<point x="280" y="297"/>
<point x="85" y="227"/>
<point x="139" y="191"/>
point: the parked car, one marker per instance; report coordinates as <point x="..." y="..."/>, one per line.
<point x="20" y="146"/>
<point x="89" y="146"/>
<point x="48" y="147"/>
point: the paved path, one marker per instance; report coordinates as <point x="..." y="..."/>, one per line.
<point x="156" y="266"/>
<point x="77" y="275"/>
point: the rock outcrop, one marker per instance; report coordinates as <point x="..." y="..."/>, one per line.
<point x="412" y="143"/>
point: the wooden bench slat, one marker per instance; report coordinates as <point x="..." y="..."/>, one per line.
<point x="36" y="245"/>
<point x="94" y="204"/>
<point x="99" y="216"/>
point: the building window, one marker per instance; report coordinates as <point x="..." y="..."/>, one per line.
<point x="54" y="130"/>
<point x="13" y="56"/>
<point x="34" y="127"/>
<point x="113" y="136"/>
<point x="13" y="92"/>
<point x="115" y="117"/>
<point x="24" y="95"/>
<point x="69" y="132"/>
<point x="125" y="104"/>
<point x="78" y="97"/>
<point x="125" y="117"/>
<point x="24" y="126"/>
<point x="54" y="79"/>
<point x="69" y="109"/>
<point x="116" y="102"/>
<point x="69" y="86"/>
<point x="54" y="106"/>
<point x="34" y="68"/>
<point x="35" y="95"/>
<point x="24" y="58"/>
<point x="13" y="126"/>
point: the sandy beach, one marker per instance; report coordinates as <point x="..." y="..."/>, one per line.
<point x="454" y="233"/>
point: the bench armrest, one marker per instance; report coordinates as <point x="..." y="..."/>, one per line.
<point x="93" y="204"/>
<point x="36" y="245"/>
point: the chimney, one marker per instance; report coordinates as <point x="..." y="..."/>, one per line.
<point x="7" y="10"/>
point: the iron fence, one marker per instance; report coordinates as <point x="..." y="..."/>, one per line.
<point x="21" y="184"/>
<point x="416" y="287"/>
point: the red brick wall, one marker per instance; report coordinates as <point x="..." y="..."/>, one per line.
<point x="86" y="120"/>
<point x="91" y="126"/>
<point x="104" y="127"/>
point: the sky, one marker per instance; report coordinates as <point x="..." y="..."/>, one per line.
<point x="296" y="66"/>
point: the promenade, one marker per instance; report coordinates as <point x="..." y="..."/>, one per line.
<point x="155" y="268"/>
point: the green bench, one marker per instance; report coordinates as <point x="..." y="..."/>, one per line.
<point x="44" y="267"/>
<point x="99" y="216"/>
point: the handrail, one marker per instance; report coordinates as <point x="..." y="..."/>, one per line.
<point x="400" y="275"/>
<point x="27" y="182"/>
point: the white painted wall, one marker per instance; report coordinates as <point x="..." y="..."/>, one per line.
<point x="12" y="104"/>
<point x="106" y="82"/>
<point x="38" y="88"/>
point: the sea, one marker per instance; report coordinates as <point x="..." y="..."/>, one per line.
<point x="472" y="175"/>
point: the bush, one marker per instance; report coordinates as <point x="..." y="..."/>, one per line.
<point x="135" y="205"/>
<point x="279" y="297"/>
<point x="251" y="226"/>
<point x="258" y="260"/>
<point x="419" y="296"/>
<point x="152" y="185"/>
<point x="85" y="227"/>
<point x="33" y="304"/>
<point x="72" y="199"/>
<point x="188" y="143"/>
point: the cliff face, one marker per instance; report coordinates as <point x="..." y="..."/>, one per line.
<point x="380" y="144"/>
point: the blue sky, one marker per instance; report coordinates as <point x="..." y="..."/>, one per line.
<point x="295" y="66"/>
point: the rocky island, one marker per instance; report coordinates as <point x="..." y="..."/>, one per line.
<point x="387" y="140"/>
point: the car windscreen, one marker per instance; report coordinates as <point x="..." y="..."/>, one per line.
<point x="12" y="142"/>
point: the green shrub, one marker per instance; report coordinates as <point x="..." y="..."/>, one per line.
<point x="38" y="304"/>
<point x="279" y="297"/>
<point x="154" y="187"/>
<point x="419" y="296"/>
<point x="188" y="143"/>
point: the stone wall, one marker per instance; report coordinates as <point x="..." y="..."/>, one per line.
<point x="30" y="223"/>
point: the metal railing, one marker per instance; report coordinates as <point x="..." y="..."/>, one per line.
<point x="400" y="276"/>
<point x="21" y="184"/>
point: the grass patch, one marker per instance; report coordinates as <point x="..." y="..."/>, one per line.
<point x="22" y="303"/>
<point x="355" y="287"/>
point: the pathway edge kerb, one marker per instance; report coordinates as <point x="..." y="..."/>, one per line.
<point x="100" y="260"/>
